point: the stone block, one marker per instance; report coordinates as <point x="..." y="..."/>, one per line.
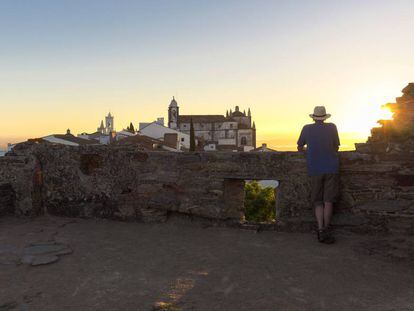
<point x="349" y="220"/>
<point x="384" y="206"/>
<point x="404" y="180"/>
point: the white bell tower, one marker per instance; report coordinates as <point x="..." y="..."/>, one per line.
<point x="109" y="123"/>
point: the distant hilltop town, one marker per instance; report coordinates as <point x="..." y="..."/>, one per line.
<point x="235" y="131"/>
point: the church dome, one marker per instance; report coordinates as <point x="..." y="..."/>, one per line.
<point x="173" y="103"/>
<point x="237" y="113"/>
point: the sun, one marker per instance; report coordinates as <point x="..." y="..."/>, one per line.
<point x="372" y="114"/>
<point x="357" y="127"/>
<point x="385" y="113"/>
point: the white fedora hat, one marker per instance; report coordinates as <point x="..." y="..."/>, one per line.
<point x="319" y="113"/>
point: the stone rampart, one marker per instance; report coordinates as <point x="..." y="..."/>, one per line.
<point x="16" y="185"/>
<point x="124" y="183"/>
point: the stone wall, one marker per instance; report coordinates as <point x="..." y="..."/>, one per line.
<point x="7" y="199"/>
<point x="124" y="183"/>
<point x="378" y="190"/>
<point x="16" y="185"/>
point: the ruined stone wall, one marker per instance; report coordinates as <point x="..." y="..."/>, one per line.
<point x="379" y="189"/>
<point x="16" y="185"/>
<point x="124" y="183"/>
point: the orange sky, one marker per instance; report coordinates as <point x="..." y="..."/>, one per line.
<point x="65" y="65"/>
<point x="279" y="116"/>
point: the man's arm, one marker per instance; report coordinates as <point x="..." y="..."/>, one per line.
<point x="336" y="142"/>
<point x="302" y="140"/>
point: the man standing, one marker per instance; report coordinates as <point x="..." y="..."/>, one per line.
<point x="322" y="143"/>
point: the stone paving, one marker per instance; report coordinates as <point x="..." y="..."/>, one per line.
<point x="181" y="265"/>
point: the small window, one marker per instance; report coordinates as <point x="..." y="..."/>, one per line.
<point x="185" y="125"/>
<point x="182" y="139"/>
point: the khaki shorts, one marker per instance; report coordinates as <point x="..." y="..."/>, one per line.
<point x="324" y="188"/>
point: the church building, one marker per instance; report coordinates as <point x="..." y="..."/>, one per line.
<point x="109" y="125"/>
<point x="105" y="132"/>
<point x="234" y="131"/>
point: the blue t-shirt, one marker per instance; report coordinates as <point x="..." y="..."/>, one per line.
<point x="322" y="142"/>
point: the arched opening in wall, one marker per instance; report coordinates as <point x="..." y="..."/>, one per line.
<point x="260" y="200"/>
<point x="243" y="141"/>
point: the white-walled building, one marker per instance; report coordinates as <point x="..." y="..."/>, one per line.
<point x="67" y="139"/>
<point x="159" y="121"/>
<point x="123" y="134"/>
<point x="103" y="139"/>
<point x="157" y="131"/>
<point x="144" y="142"/>
<point x="263" y="148"/>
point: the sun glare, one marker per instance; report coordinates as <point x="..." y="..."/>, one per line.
<point x="385" y="113"/>
<point x="372" y="115"/>
<point x="356" y="128"/>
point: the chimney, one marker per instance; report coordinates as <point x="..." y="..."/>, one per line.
<point x="160" y="121"/>
<point x="171" y="140"/>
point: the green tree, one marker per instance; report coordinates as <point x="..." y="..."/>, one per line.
<point x="192" y="136"/>
<point x="131" y="128"/>
<point x="259" y="202"/>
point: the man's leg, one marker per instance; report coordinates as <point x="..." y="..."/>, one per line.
<point x="330" y="193"/>
<point x="331" y="188"/>
<point x="317" y="201"/>
<point x="319" y="214"/>
<point x="327" y="213"/>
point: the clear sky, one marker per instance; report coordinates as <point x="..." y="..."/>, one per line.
<point x="66" y="63"/>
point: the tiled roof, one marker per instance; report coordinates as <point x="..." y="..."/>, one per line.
<point x="96" y="135"/>
<point x="143" y="141"/>
<point x="201" y="118"/>
<point x="76" y="140"/>
<point x="159" y="125"/>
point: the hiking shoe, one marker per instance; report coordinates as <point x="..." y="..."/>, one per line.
<point x="328" y="238"/>
<point x="321" y="235"/>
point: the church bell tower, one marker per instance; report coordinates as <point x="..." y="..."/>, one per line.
<point x="109" y="123"/>
<point x="173" y="113"/>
